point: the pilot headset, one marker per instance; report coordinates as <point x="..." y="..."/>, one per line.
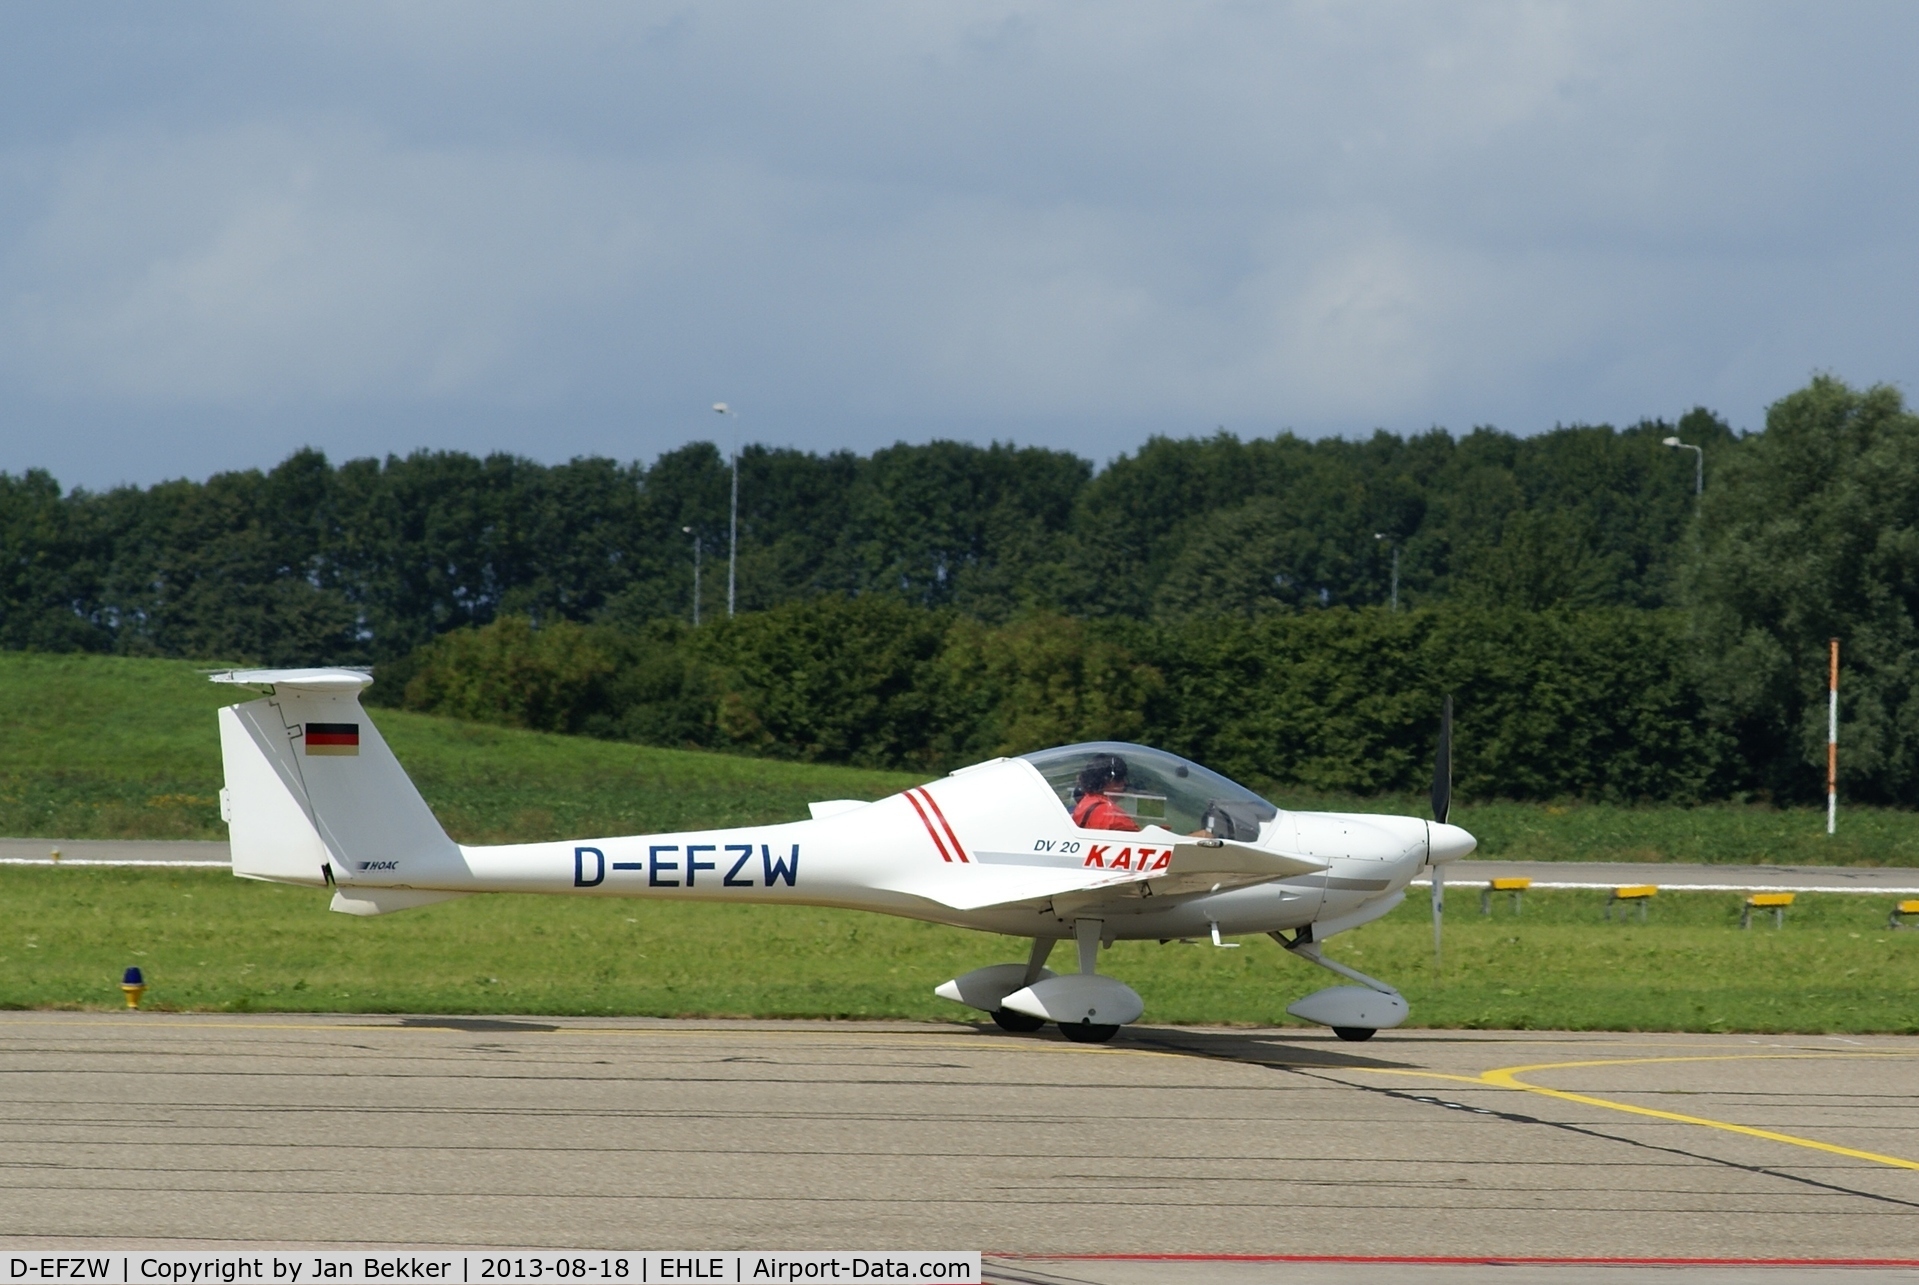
<point x="1100" y="771"/>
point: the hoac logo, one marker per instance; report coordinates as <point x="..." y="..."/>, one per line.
<point x="379" y="865"/>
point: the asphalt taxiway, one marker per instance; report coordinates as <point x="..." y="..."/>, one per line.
<point x="180" y="1130"/>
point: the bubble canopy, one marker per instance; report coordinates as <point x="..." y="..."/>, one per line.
<point x="1159" y="789"/>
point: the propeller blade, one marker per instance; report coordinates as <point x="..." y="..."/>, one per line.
<point x="1443" y="767"/>
<point x="1442" y="812"/>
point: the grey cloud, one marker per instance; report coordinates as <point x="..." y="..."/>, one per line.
<point x="567" y="228"/>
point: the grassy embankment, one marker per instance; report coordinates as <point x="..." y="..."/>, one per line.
<point x="115" y="748"/>
<point x="106" y="748"/>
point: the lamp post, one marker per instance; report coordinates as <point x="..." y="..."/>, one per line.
<point x="733" y="526"/>
<point x="1832" y="743"/>
<point x="1699" y="464"/>
<point x="1394" y="546"/>
<point x="696" y="574"/>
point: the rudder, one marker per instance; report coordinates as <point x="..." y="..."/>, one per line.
<point x="312" y="790"/>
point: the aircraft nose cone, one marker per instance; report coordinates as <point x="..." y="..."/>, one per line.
<point x="1447" y="842"/>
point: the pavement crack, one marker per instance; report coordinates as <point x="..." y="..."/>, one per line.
<point x="1518" y="1117"/>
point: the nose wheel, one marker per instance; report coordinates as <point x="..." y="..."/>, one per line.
<point x="1087" y="1032"/>
<point x="1356" y="1034"/>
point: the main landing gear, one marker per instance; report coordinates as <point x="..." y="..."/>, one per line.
<point x="1355" y="1013"/>
<point x="1081" y="1032"/>
<point x="1089" y="1008"/>
<point x="1022" y="1023"/>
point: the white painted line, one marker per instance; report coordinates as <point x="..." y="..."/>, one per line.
<point x="87" y="861"/>
<point x="1693" y="887"/>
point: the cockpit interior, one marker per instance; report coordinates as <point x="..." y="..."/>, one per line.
<point x="1139" y="787"/>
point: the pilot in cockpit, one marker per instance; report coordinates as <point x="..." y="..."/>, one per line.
<point x="1103" y="775"/>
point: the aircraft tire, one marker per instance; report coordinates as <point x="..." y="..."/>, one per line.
<point x="1354" y="1033"/>
<point x="1087" y="1032"/>
<point x="1024" y="1023"/>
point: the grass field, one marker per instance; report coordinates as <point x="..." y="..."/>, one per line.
<point x="209" y="941"/>
<point x="102" y="748"/>
<point x="94" y="747"/>
<point x="107" y="748"/>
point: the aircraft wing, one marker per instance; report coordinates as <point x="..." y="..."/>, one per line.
<point x="1197" y="866"/>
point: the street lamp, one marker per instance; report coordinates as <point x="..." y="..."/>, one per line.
<point x="696" y="574"/>
<point x="733" y="529"/>
<point x="1394" y="546"/>
<point x="1699" y="464"/>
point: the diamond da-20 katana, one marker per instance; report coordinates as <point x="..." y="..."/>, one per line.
<point x="1089" y="843"/>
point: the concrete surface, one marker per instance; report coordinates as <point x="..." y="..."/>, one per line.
<point x="180" y="1130"/>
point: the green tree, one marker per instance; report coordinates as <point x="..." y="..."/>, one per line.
<point x="552" y="678"/>
<point x="832" y="679"/>
<point x="1808" y="532"/>
<point x="1037" y="681"/>
<point x="49" y="569"/>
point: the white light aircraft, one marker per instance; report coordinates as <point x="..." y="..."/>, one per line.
<point x="1093" y="843"/>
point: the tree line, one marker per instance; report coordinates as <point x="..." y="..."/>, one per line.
<point x="1592" y="703"/>
<point x="366" y="560"/>
<point x="1192" y="575"/>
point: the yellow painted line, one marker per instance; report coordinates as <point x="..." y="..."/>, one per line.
<point x="1507" y="1077"/>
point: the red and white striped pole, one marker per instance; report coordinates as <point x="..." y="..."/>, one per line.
<point x="1832" y="744"/>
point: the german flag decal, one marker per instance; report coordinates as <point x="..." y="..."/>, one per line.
<point x="333" y="738"/>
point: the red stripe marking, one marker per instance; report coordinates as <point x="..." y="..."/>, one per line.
<point x="333" y="738"/>
<point x="931" y="833"/>
<point x="944" y="823"/>
<point x="1474" y="1261"/>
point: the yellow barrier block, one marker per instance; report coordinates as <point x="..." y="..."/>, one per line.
<point x="1773" y="901"/>
<point x="1910" y="906"/>
<point x="1642" y="893"/>
<point x="1514" y="885"/>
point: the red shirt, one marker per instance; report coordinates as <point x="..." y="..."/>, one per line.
<point x="1097" y="812"/>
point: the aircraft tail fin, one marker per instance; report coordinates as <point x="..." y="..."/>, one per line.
<point x="313" y="794"/>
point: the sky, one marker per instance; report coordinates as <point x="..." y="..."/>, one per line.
<point x="228" y="231"/>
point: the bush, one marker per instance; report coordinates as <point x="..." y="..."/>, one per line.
<point x="1592" y="704"/>
<point x="553" y="679"/>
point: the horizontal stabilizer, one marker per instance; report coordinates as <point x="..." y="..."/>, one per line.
<point x="305" y="680"/>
